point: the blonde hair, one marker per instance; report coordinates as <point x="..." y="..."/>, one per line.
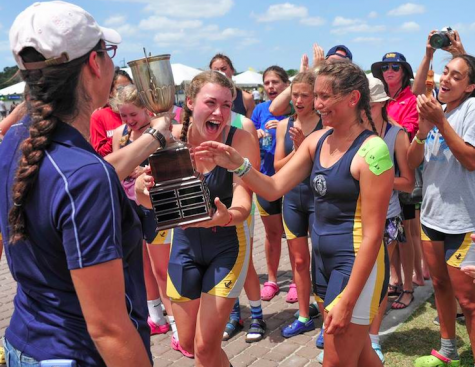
<point x="126" y="94"/>
<point x="194" y="88"/>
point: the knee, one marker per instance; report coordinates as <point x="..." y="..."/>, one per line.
<point x="274" y="234"/>
<point x="441" y="283"/>
<point x="302" y="263"/>
<point x="204" y="350"/>
<point x="467" y="303"/>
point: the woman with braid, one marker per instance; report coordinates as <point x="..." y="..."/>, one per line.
<point x="71" y="238"/>
<point x="352" y="176"/>
<point x="209" y="260"/>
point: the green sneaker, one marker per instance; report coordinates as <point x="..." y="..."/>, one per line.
<point x="436" y="360"/>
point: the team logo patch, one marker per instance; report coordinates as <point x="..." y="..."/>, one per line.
<point x="320" y="185"/>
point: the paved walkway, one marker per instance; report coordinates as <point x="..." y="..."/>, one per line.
<point x="274" y="350"/>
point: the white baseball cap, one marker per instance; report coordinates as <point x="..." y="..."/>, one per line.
<point x="58" y="30"/>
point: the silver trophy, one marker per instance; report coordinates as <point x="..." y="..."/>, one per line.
<point x="180" y="195"/>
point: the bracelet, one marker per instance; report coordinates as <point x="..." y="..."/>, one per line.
<point x="157" y="135"/>
<point x="244" y="168"/>
<point x="419" y="141"/>
<point x="230" y="219"/>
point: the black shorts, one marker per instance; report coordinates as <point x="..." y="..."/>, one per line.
<point x="408" y="211"/>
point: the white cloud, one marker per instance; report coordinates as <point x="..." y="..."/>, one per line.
<point x="407" y="9"/>
<point x="343" y="22"/>
<point x="410" y="27"/>
<point x="115" y="20"/>
<point x="159" y="23"/>
<point x="359" y="28"/>
<point x="313" y="21"/>
<point x="284" y="11"/>
<point x="126" y="30"/>
<point x="189" y="8"/>
<point x="193" y="38"/>
<point x="248" y="42"/>
<point x="368" y="40"/>
<point x="372" y="15"/>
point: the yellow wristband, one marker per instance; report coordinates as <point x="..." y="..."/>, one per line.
<point x="419" y="141"/>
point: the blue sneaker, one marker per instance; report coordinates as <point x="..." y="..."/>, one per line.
<point x="320" y="341"/>
<point x="297" y="328"/>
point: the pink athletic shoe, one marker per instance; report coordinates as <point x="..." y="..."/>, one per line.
<point x="292" y="294"/>
<point x="157" y="329"/>
<point x="175" y="344"/>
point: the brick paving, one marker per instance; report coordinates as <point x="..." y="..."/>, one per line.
<point x="273" y="350"/>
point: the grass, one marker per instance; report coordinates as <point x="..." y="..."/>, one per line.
<point x="419" y="335"/>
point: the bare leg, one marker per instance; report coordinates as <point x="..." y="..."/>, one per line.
<point x="251" y="285"/>
<point x="273" y="244"/>
<point x="395" y="267"/>
<point x="301" y="259"/>
<point x="352" y="348"/>
<point x="464" y="289"/>
<point x="212" y="317"/>
<point x="151" y="285"/>
<point x="406" y="252"/>
<point x="186" y="314"/>
<point x="418" y="277"/>
<point x="444" y="294"/>
<point x="159" y="255"/>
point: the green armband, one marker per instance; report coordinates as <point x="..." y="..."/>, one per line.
<point x="376" y="154"/>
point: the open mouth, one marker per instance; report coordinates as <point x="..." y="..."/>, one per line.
<point x="444" y="89"/>
<point x="272" y="95"/>
<point x="212" y="126"/>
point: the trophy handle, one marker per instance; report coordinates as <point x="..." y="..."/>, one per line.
<point x="151" y="77"/>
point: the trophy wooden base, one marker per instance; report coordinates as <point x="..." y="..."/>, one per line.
<point x="180" y="203"/>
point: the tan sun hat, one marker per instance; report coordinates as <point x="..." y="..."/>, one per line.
<point x="376" y="89"/>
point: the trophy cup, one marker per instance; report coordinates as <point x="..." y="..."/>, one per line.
<point x="180" y="195"/>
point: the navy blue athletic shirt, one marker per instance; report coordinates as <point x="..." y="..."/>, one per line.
<point x="77" y="215"/>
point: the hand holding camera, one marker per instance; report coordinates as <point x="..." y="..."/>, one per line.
<point x="447" y="39"/>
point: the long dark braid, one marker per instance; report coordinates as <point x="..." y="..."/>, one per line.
<point x="347" y="77"/>
<point x="54" y="94"/>
<point x="194" y="88"/>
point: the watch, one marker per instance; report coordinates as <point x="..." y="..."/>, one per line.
<point x="157" y="135"/>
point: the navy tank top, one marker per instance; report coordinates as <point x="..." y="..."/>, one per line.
<point x="238" y="104"/>
<point x="289" y="143"/>
<point x="336" y="192"/>
<point x="220" y="181"/>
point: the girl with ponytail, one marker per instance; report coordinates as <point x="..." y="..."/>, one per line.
<point x="351" y="176"/>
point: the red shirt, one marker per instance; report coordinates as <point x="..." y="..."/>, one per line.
<point x="103" y="123"/>
<point x="403" y="111"/>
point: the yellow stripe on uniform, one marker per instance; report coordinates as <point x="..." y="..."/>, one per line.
<point x="380" y="273"/>
<point x="172" y="293"/>
<point x="288" y="233"/>
<point x="459" y="255"/>
<point x="424" y="236"/>
<point x="237" y="275"/>
<point x="261" y="210"/>
<point x="162" y="238"/>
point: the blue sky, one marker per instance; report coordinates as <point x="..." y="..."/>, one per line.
<point x="261" y="33"/>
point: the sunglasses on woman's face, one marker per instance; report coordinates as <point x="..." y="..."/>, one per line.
<point x="394" y="67"/>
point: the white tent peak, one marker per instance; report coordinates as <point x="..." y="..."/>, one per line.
<point x="248" y="78"/>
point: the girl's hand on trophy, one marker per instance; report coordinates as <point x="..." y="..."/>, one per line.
<point x="145" y="181"/>
<point x="137" y="172"/>
<point x="163" y="123"/>
<point x="220" y="154"/>
<point x="221" y="217"/>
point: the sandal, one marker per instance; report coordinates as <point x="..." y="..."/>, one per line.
<point x="232" y="328"/>
<point x="292" y="294"/>
<point x="394" y="290"/>
<point x="269" y="291"/>
<point x="401" y="304"/>
<point x="436" y="360"/>
<point x="256" y="331"/>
